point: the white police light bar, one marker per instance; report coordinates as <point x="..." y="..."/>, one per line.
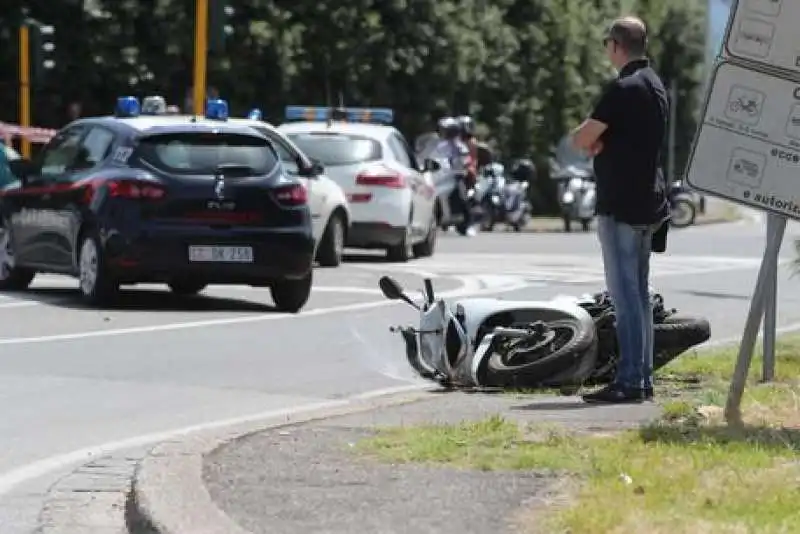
<point x="127" y="106"/>
<point x="217" y="109"/>
<point x="321" y="114"/>
<point x="254" y="114"/>
<point x="154" y="105"/>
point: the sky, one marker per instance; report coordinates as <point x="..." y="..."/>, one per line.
<point x="718" y="12"/>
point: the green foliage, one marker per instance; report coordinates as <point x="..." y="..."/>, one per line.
<point x="527" y="70"/>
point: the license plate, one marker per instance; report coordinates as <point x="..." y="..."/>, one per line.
<point x="211" y="254"/>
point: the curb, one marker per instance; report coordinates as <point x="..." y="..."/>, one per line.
<point x="168" y="494"/>
<point x="557" y="229"/>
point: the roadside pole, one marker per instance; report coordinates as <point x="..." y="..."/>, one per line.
<point x="200" y="55"/>
<point x="748" y="151"/>
<point x="24" y="86"/>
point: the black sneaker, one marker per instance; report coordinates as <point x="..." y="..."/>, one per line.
<point x="647" y="393"/>
<point x="615" y="394"/>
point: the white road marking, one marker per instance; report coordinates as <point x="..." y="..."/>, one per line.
<point x="470" y="285"/>
<point x="19" y="304"/>
<point x="32" y="471"/>
<point x="564" y="268"/>
<point x="332" y="289"/>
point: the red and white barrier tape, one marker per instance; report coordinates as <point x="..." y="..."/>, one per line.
<point x="32" y="134"/>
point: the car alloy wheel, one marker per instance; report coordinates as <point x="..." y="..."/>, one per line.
<point x="89" y="267"/>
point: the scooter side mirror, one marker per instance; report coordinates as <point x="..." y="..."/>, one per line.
<point x="392" y="291"/>
<point x="390" y="288"/>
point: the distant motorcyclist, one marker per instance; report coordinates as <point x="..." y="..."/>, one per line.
<point x="480" y="153"/>
<point x="452" y="148"/>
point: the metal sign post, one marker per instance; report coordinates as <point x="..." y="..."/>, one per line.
<point x="764" y="299"/>
<point x="747" y="150"/>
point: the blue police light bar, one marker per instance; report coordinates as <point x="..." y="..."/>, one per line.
<point x="319" y="114"/>
<point x="217" y="109"/>
<point x="127" y="106"/>
<point x="254" y="114"/>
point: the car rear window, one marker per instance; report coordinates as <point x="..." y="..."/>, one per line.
<point x="331" y="149"/>
<point x="202" y="153"/>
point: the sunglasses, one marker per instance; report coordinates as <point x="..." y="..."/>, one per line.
<point x="607" y="40"/>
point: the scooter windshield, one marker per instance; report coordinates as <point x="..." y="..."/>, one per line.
<point x="567" y="155"/>
<point x="433" y="326"/>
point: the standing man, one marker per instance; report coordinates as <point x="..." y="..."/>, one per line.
<point x="625" y="133"/>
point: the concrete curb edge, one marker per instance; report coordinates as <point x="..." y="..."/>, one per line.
<point x="168" y="494"/>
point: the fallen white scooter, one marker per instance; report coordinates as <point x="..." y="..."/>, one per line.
<point x="564" y="342"/>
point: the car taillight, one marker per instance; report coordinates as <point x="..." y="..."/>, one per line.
<point x="381" y="177"/>
<point x="135" y="189"/>
<point x="292" y="195"/>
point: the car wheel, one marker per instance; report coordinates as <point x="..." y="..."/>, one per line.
<point x="12" y="278"/>
<point x="401" y="252"/>
<point x="185" y="288"/>
<point x="96" y="285"/>
<point x="291" y="295"/>
<point x="331" y="247"/>
<point x="426" y="248"/>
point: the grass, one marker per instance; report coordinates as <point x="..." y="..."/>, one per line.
<point x="687" y="473"/>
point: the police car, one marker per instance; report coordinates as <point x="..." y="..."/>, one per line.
<point x="135" y="198"/>
<point x="330" y="213"/>
<point x="391" y="196"/>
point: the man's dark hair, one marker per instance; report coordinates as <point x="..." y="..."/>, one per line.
<point x="630" y="34"/>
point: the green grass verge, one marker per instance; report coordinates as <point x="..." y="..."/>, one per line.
<point x="687" y="473"/>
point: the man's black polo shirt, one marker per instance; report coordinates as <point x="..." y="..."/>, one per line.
<point x="634" y="107"/>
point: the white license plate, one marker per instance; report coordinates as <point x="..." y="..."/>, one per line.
<point x="221" y="254"/>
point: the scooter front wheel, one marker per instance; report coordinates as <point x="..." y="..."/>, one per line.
<point x="531" y="361"/>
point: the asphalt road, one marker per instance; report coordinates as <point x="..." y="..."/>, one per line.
<point x="72" y="378"/>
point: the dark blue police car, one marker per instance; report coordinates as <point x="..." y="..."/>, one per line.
<point x="135" y="198"/>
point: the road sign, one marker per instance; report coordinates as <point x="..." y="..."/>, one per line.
<point x="748" y="146"/>
<point x="765" y="31"/>
<point x="747" y="149"/>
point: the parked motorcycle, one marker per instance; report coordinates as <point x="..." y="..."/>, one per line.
<point x="565" y="342"/>
<point x="576" y="187"/>
<point x="682" y="205"/>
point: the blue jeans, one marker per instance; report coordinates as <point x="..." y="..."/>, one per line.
<point x="626" y="259"/>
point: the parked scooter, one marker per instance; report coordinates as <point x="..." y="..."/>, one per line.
<point x="503" y="200"/>
<point x="682" y="205"/>
<point x="564" y="342"/>
<point x="489" y="193"/>
<point x="577" y="195"/>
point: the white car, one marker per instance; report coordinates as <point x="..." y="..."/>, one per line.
<point x="391" y="197"/>
<point x="330" y="212"/>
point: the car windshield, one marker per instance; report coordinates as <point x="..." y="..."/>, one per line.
<point x="203" y="153"/>
<point x="566" y="154"/>
<point x="332" y="149"/>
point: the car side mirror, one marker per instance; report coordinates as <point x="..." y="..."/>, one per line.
<point x="313" y="170"/>
<point x="431" y="165"/>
